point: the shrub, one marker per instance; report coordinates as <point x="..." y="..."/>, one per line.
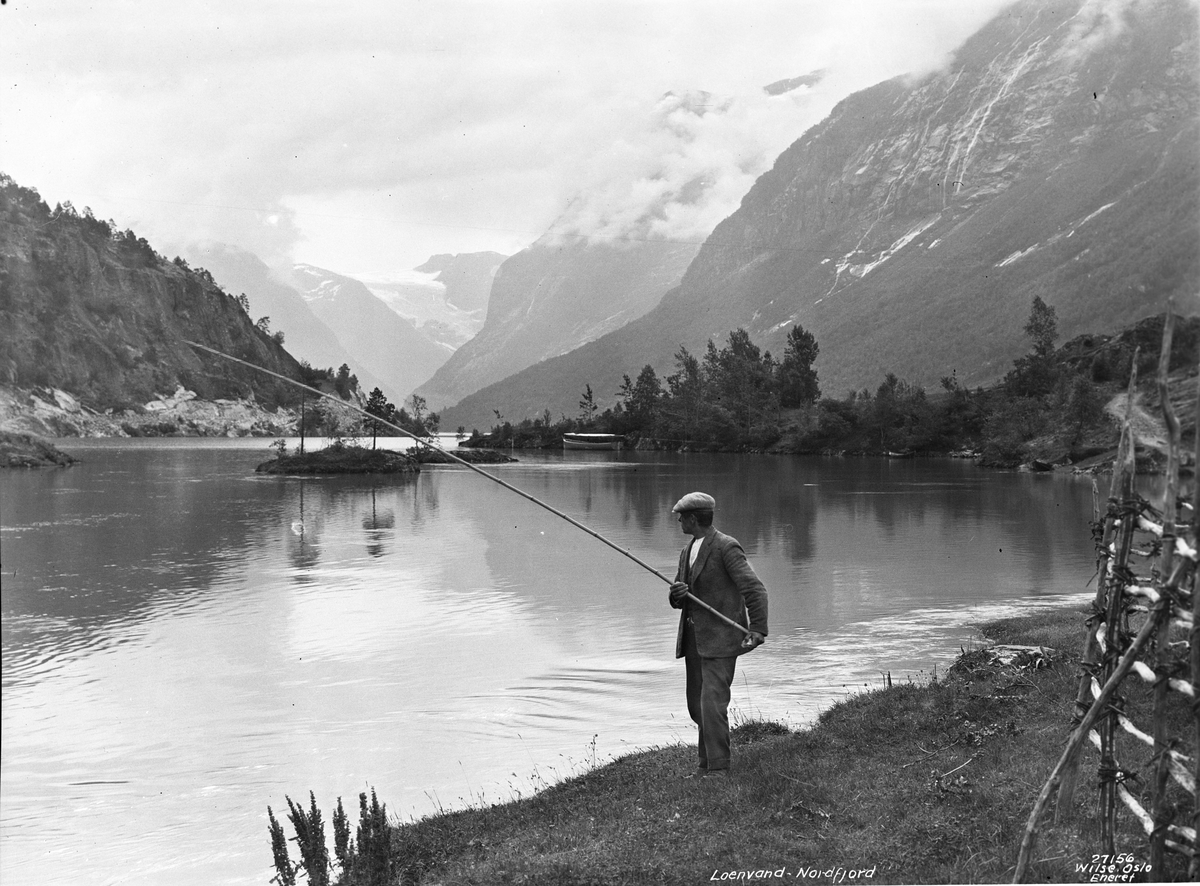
<point x="365" y="861"/>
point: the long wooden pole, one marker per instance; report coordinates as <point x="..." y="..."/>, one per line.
<point x="593" y="533"/>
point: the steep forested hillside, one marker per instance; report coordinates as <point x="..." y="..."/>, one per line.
<point x="97" y="312"/>
<point x="306" y="336"/>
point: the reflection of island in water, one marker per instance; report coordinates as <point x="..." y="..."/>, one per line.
<point x="318" y="502"/>
<point x="304" y="546"/>
<point x="376" y="525"/>
<point x="304" y="550"/>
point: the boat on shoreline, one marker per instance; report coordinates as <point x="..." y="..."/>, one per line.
<point x="592" y="441"/>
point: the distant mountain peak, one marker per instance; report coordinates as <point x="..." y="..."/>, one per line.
<point x="779" y="87"/>
<point x="445" y="262"/>
<point x="692" y="101"/>
<point x="387" y="343"/>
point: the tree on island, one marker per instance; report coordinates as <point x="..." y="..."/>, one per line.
<point x="424" y="423"/>
<point x="378" y="406"/>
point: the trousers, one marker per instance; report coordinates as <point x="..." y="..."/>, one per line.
<point x="708" y="689"/>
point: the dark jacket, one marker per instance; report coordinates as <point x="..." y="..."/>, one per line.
<point x="725" y="580"/>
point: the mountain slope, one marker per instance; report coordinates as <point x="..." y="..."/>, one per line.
<point x="641" y="211"/>
<point x="384" y="343"/>
<point x="554" y="296"/>
<point x="100" y="315"/>
<point x="305" y="335"/>
<point x="1054" y="157"/>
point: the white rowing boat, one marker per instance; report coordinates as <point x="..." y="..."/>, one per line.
<point x="591" y="441"/>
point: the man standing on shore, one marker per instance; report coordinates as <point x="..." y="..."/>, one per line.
<point x="714" y="569"/>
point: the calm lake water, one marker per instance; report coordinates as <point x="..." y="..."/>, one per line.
<point x="186" y="642"/>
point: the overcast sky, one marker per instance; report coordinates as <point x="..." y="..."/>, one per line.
<point x="365" y="137"/>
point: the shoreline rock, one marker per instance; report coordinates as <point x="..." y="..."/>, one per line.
<point x="428" y="456"/>
<point x="52" y="412"/>
<point x="28" y="451"/>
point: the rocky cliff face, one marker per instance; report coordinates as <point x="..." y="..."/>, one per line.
<point x="1054" y="156"/>
<point x="52" y="412"/>
<point x="98" y="314"/>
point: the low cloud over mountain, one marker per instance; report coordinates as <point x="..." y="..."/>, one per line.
<point x="1053" y="155"/>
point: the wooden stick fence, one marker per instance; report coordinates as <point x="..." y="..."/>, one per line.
<point x="1167" y="599"/>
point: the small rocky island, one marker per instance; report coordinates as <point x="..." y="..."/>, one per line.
<point x="341" y="460"/>
<point x="348" y="459"/>
<point x="28" y="451"/>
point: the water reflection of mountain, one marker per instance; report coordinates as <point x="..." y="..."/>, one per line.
<point x="315" y="502"/>
<point x="833" y="538"/>
<point x="931" y="506"/>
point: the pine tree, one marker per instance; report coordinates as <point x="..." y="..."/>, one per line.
<point x="587" y="405"/>
<point x="797" y="379"/>
<point x="1034" y="374"/>
<point x="378" y="405"/>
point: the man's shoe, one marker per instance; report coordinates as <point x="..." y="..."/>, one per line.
<point x="723" y="773"/>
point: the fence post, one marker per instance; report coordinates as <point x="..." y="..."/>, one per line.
<point x="1160" y="810"/>
<point x="1194" y="650"/>
<point x="1092" y="656"/>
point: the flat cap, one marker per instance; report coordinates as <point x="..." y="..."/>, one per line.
<point x="694" y="501"/>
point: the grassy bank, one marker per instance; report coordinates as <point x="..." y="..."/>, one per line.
<point x="924" y="783"/>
